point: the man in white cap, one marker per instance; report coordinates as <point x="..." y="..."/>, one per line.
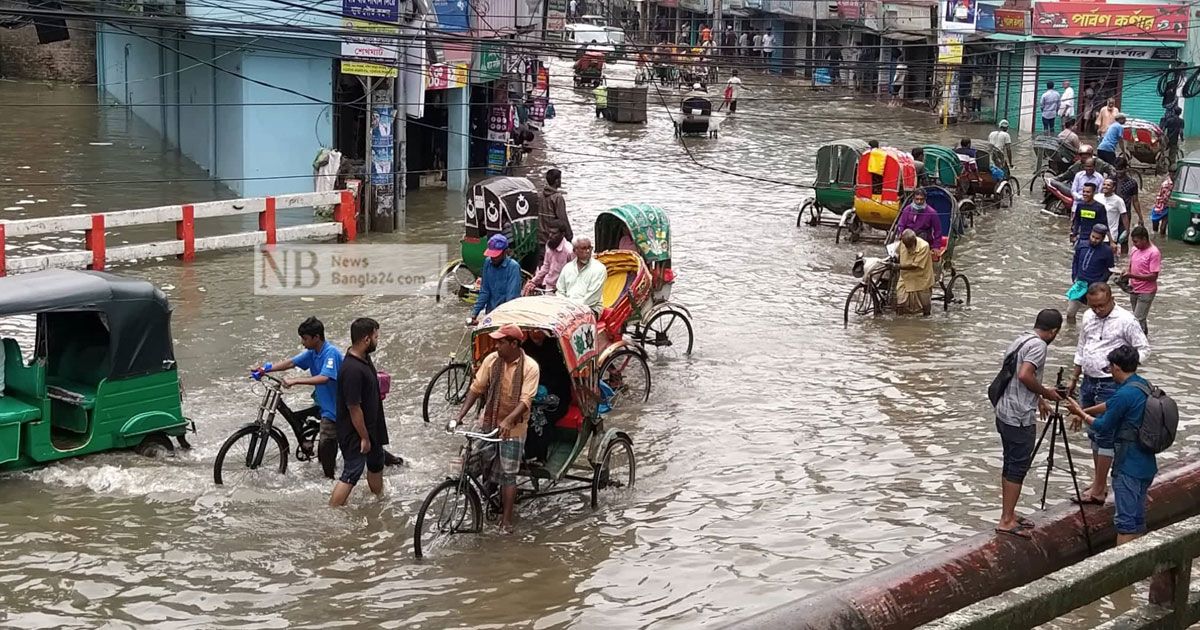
<point x="507" y="381"/>
<point x="1002" y="140"/>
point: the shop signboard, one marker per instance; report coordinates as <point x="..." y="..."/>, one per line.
<point x="446" y="76"/>
<point x="985" y="21"/>
<point x="556" y="15"/>
<point x="540" y="93"/>
<point x="489" y="63"/>
<point x="850" y="9"/>
<point x="452" y="15"/>
<point x="1100" y="20"/>
<point x="958" y="15"/>
<point x="950" y="48"/>
<point x="378" y="43"/>
<point x="497" y="158"/>
<point x="371" y="10"/>
<point x="368" y="69"/>
<point x="1012" y="21"/>
<point x="500" y="116"/>
<point x="1108" y="52"/>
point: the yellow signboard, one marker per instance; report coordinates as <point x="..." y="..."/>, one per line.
<point x="367" y="69"/>
<point x="950" y="49"/>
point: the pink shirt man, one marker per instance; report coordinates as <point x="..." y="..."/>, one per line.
<point x="1144" y="262"/>
<point x="553" y="262"/>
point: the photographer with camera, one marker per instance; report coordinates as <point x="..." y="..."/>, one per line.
<point x="1122" y="417"/>
<point x="1020" y="398"/>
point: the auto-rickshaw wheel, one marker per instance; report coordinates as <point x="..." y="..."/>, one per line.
<point x="155" y="445"/>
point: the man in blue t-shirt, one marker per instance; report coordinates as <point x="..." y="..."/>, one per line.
<point x="1111" y="140"/>
<point x="1133" y="467"/>
<point x="322" y="360"/>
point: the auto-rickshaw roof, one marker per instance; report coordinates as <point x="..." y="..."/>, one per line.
<point x="67" y="290"/>
<point x="648" y="225"/>
<point x="137" y="314"/>
<point x="573" y="324"/>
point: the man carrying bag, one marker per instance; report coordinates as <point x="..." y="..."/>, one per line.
<point x="1018" y="396"/>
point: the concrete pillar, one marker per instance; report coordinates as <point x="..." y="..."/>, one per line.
<point x="458" y="140"/>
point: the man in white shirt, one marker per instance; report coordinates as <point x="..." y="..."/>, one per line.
<point x="1105" y="328"/>
<point x="1066" y="103"/>
<point x="1001" y="139"/>
<point x="733" y="90"/>
<point x="758" y="40"/>
<point x="1116" y="213"/>
<point x="768" y="47"/>
<point x="583" y="279"/>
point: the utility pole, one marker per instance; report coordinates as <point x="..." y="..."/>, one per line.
<point x="400" y="138"/>
<point x="718" y="31"/>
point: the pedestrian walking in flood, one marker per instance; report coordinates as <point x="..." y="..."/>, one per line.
<point x="1090" y="266"/>
<point x="361" y="428"/>
<point x="1050" y="102"/>
<point x="1020" y="403"/>
<point x="1145" y="263"/>
<point x="1105" y="328"/>
<point x="1110" y="142"/>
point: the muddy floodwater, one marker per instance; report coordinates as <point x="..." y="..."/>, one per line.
<point x="786" y="454"/>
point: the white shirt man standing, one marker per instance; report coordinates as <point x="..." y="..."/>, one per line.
<point x="768" y="47"/>
<point x="1066" y="103"/>
<point x="1116" y="214"/>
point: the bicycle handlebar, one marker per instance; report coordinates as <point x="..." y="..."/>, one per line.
<point x="493" y="436"/>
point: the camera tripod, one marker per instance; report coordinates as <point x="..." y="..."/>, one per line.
<point x="1056" y="426"/>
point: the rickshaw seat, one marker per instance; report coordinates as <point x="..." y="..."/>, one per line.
<point x="15" y="411"/>
<point x="615" y="286"/>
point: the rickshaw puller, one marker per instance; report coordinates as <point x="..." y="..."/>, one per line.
<point x="507" y="380"/>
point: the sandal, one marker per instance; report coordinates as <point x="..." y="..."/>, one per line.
<point x="1025" y="523"/>
<point x="1018" y="531"/>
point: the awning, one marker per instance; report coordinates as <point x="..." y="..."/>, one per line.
<point x="905" y="37"/>
<point x="1152" y="43"/>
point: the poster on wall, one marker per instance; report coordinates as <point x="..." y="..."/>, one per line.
<point x="950" y="49"/>
<point x="985" y="20"/>
<point x="556" y="15"/>
<point x="1086" y="19"/>
<point x="499" y="119"/>
<point x="497" y="158"/>
<point x="540" y="93"/>
<point x="383" y="118"/>
<point x="958" y="15"/>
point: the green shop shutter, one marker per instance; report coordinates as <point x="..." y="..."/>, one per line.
<point x="1056" y="69"/>
<point x="1139" y="89"/>
<point x="1008" y="88"/>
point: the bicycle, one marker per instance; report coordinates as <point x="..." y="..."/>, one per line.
<point x="252" y="443"/>
<point x="445" y="398"/>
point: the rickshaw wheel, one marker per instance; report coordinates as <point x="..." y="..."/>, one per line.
<point x="1014" y="183"/>
<point x="240" y="452"/>
<point x="452" y="508"/>
<point x="813" y="215"/>
<point x="617" y="470"/>
<point x="862" y="302"/>
<point x="1006" y="197"/>
<point x="454" y="281"/>
<point x="957" y="291"/>
<point x="657" y="332"/>
<point x="446" y="392"/>
<point x="628" y="374"/>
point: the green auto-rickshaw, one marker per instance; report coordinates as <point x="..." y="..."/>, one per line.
<point x="102" y="373"/>
<point x="1183" y="220"/>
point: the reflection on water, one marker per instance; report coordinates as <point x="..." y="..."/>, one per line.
<point x="787" y="453"/>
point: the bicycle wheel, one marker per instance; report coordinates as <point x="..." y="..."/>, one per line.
<point x="658" y="333"/>
<point x="616" y="472"/>
<point x="957" y="291"/>
<point x="446" y="391"/>
<point x="452" y="508"/>
<point x="627" y="373"/>
<point x="248" y="454"/>
<point x="861" y="302"/>
<point x="809" y="206"/>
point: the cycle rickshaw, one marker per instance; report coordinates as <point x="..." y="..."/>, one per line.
<point x="884" y="181"/>
<point x="498" y="205"/>
<point x="833" y="191"/>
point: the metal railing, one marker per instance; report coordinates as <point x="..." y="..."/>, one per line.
<point x="1165" y="555"/>
<point x="185" y="244"/>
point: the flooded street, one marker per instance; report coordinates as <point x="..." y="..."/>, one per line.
<point x="787" y="453"/>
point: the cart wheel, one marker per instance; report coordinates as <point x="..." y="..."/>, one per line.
<point x="627" y="373"/>
<point x="247" y="452"/>
<point x="616" y="472"/>
<point x="452" y="508"/>
<point x="813" y="213"/>
<point x="957" y="291"/>
<point x="862" y="302"/>
<point x="446" y="391"/>
<point x="669" y="332"/>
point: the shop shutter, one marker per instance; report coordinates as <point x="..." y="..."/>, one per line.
<point x="1008" y="89"/>
<point x="1139" y="89"/>
<point x="1056" y="69"/>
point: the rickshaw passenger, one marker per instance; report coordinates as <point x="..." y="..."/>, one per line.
<point x="626" y="242"/>
<point x="557" y="381"/>
<point x="965" y="149"/>
<point x="507" y="381"/>
<point x="922" y="219"/>
<point x="556" y="255"/>
<point x="583" y="279"/>
<point x="918" y="155"/>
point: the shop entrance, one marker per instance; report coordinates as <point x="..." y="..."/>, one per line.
<point x="1103" y="77"/>
<point x="349" y="122"/>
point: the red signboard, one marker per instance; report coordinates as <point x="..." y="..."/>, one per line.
<point x="1012" y="21"/>
<point x="850" y="9"/>
<point x="1088" y="19"/>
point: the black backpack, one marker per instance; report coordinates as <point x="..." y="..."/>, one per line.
<point x="1007" y="371"/>
<point x="1160" y="421"/>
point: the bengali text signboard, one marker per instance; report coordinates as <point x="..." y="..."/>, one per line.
<point x="1086" y="19"/>
<point x="1012" y="21"/>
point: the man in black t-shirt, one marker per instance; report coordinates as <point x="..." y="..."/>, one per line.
<point x="361" y="430"/>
